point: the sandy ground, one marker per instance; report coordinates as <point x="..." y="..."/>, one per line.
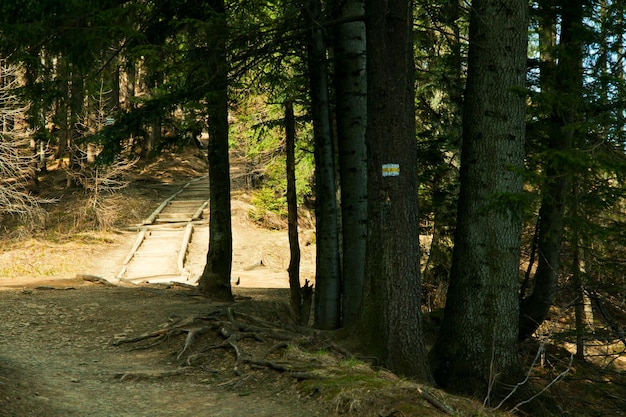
<point x="56" y="359"/>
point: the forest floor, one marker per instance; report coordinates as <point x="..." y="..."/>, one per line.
<point x="66" y="339"/>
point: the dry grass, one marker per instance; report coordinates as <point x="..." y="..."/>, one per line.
<point x="73" y="235"/>
<point x="40" y="258"/>
<point x="80" y="222"/>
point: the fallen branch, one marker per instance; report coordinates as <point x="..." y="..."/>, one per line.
<point x="95" y="279"/>
<point x="613" y="324"/>
<point x="558" y="378"/>
<point x="146" y="375"/>
<point x="50" y="287"/>
<point x="439" y="405"/>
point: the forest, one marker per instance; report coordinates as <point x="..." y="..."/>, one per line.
<point x="462" y="160"/>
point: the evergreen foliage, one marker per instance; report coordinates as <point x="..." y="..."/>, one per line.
<point x="593" y="212"/>
<point x="441" y="51"/>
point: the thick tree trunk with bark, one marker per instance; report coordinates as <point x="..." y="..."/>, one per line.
<point x="391" y="322"/>
<point x="566" y="84"/>
<point x="215" y="280"/>
<point x="476" y="350"/>
<point x="327" y="305"/>
<point x="351" y="116"/>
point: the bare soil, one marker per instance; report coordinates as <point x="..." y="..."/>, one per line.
<point x="57" y="359"/>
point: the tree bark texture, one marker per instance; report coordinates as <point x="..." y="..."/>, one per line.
<point x="292" y="209"/>
<point x="477" y="345"/>
<point x="391" y="320"/>
<point x="215" y="280"/>
<point x="351" y="116"/>
<point x="327" y="304"/>
<point x="565" y="89"/>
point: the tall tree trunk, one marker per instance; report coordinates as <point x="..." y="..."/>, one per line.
<point x="577" y="278"/>
<point x="296" y="293"/>
<point x="130" y="85"/>
<point x="152" y="138"/>
<point x="113" y="102"/>
<point x="566" y="87"/>
<point x="391" y="324"/>
<point x="63" y="131"/>
<point x="62" y="108"/>
<point x="327" y="305"/>
<point x="77" y="106"/>
<point x="215" y="280"/>
<point x="77" y="113"/>
<point x="476" y="349"/>
<point x="351" y="116"/>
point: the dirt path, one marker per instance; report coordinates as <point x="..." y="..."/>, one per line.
<point x="56" y="356"/>
<point x="171" y="245"/>
<point x="56" y="359"/>
<point x="160" y="249"/>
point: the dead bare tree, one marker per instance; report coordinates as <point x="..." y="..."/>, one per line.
<point x="101" y="184"/>
<point x="18" y="171"/>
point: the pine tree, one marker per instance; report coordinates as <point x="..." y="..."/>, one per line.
<point x="215" y="279"/>
<point x="391" y="321"/>
<point x="351" y="116"/>
<point x="476" y="347"/>
<point x="562" y="82"/>
<point x="327" y="304"/>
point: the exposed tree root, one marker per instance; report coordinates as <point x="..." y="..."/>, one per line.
<point x="145" y="375"/>
<point x="255" y="342"/>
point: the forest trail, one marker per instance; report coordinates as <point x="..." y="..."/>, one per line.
<point x="57" y="359"/>
<point x="174" y="192"/>
<point x="57" y="329"/>
<point x="56" y="332"/>
<point x="160" y="249"/>
<point x="171" y="245"/>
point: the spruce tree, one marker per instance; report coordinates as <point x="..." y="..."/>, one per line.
<point x="476" y="351"/>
